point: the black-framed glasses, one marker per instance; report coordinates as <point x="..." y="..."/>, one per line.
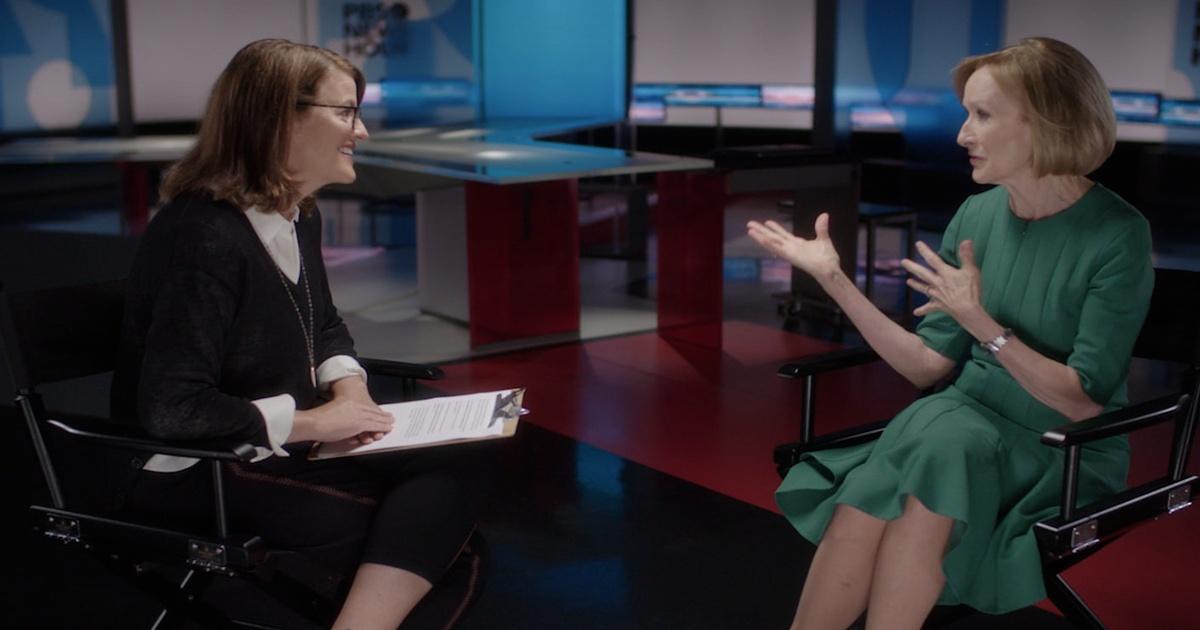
<point x="348" y="113"/>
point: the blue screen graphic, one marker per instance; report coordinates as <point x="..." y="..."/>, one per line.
<point x="1184" y="113"/>
<point x="699" y="95"/>
<point x="1135" y="106"/>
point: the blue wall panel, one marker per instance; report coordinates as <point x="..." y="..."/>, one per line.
<point x="553" y="58"/>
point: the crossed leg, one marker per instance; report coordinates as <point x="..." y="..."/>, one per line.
<point x="891" y="568"/>
<point x="908" y="568"/>
<point x="839" y="578"/>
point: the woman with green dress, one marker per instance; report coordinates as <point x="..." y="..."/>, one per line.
<point x="1037" y="294"/>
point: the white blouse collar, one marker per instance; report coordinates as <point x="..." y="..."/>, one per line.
<point x="268" y="224"/>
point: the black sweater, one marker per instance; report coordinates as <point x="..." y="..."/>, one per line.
<point x="208" y="326"/>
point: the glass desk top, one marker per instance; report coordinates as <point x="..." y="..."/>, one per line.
<point x="496" y="152"/>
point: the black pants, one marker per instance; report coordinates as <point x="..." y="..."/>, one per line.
<point x="413" y="510"/>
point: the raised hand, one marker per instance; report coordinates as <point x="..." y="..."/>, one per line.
<point x="816" y="257"/>
<point x="954" y="291"/>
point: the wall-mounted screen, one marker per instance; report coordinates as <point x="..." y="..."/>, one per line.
<point x="699" y="95"/>
<point x="1136" y="106"/>
<point x="1180" y="112"/>
<point x="877" y="118"/>
<point x="788" y="96"/>
<point x="647" y="111"/>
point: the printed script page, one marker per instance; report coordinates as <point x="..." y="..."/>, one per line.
<point x="439" y="420"/>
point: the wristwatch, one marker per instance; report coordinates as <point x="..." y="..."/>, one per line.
<point x="994" y="345"/>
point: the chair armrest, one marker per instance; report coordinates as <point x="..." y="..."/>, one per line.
<point x="1071" y="437"/>
<point x="808" y="369"/>
<point x="829" y="361"/>
<point x="399" y="369"/>
<point x="112" y="434"/>
<point x="787" y="455"/>
<point x="1116" y="422"/>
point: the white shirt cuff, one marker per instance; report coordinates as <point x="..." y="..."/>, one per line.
<point x="338" y="367"/>
<point x="278" y="412"/>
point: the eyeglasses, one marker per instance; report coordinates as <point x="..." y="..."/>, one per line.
<point x="348" y="113"/>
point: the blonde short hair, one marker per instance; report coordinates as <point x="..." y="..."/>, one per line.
<point x="1068" y="106"/>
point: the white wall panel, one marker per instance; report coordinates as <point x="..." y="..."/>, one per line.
<point x="178" y="47"/>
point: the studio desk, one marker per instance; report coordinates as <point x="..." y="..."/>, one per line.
<point x="498" y="216"/>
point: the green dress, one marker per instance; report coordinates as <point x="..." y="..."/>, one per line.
<point x="1075" y="287"/>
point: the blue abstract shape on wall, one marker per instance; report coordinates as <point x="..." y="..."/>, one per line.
<point x="888" y="31"/>
<point x="895" y="56"/>
<point x="986" y="18"/>
<point x="56" y="60"/>
<point x="88" y="42"/>
<point x="1186" y="58"/>
<point x="12" y="40"/>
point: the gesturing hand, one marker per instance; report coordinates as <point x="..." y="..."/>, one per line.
<point x="954" y="291"/>
<point x="816" y="257"/>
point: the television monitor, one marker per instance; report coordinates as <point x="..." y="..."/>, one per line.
<point x="647" y="111"/>
<point x="1136" y="106"/>
<point x="698" y="95"/>
<point x="653" y="91"/>
<point x="788" y="96"/>
<point x="423" y="93"/>
<point x="1183" y="113"/>
<point x="876" y="118"/>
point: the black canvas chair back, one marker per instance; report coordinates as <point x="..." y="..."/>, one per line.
<point x="1172" y="328"/>
<point x="55" y="335"/>
<point x="60" y="333"/>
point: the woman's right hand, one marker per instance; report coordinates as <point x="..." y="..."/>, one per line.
<point x="816" y="257"/>
<point x="339" y="419"/>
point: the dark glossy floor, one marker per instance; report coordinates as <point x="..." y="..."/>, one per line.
<point x="636" y="495"/>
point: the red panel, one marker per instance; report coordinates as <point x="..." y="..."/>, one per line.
<point x="522" y="260"/>
<point x="690" y="222"/>
<point x="135" y="185"/>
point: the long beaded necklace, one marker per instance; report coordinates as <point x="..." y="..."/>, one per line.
<point x="309" y="330"/>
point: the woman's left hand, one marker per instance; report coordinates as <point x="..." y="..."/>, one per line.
<point x="954" y="291"/>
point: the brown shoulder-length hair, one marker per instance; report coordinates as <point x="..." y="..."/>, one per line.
<point x="240" y="155"/>
<point x="1068" y="106"/>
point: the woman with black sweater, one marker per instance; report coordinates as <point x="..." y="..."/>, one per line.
<point x="231" y="331"/>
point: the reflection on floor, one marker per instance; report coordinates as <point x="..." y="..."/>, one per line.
<point x="638" y="493"/>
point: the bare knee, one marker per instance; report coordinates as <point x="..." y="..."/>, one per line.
<point x="920" y="520"/>
<point x="853" y="526"/>
<point x="925" y="534"/>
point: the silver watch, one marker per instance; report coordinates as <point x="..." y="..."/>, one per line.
<point x="994" y="345"/>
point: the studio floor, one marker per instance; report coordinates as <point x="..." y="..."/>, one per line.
<point x="638" y="492"/>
